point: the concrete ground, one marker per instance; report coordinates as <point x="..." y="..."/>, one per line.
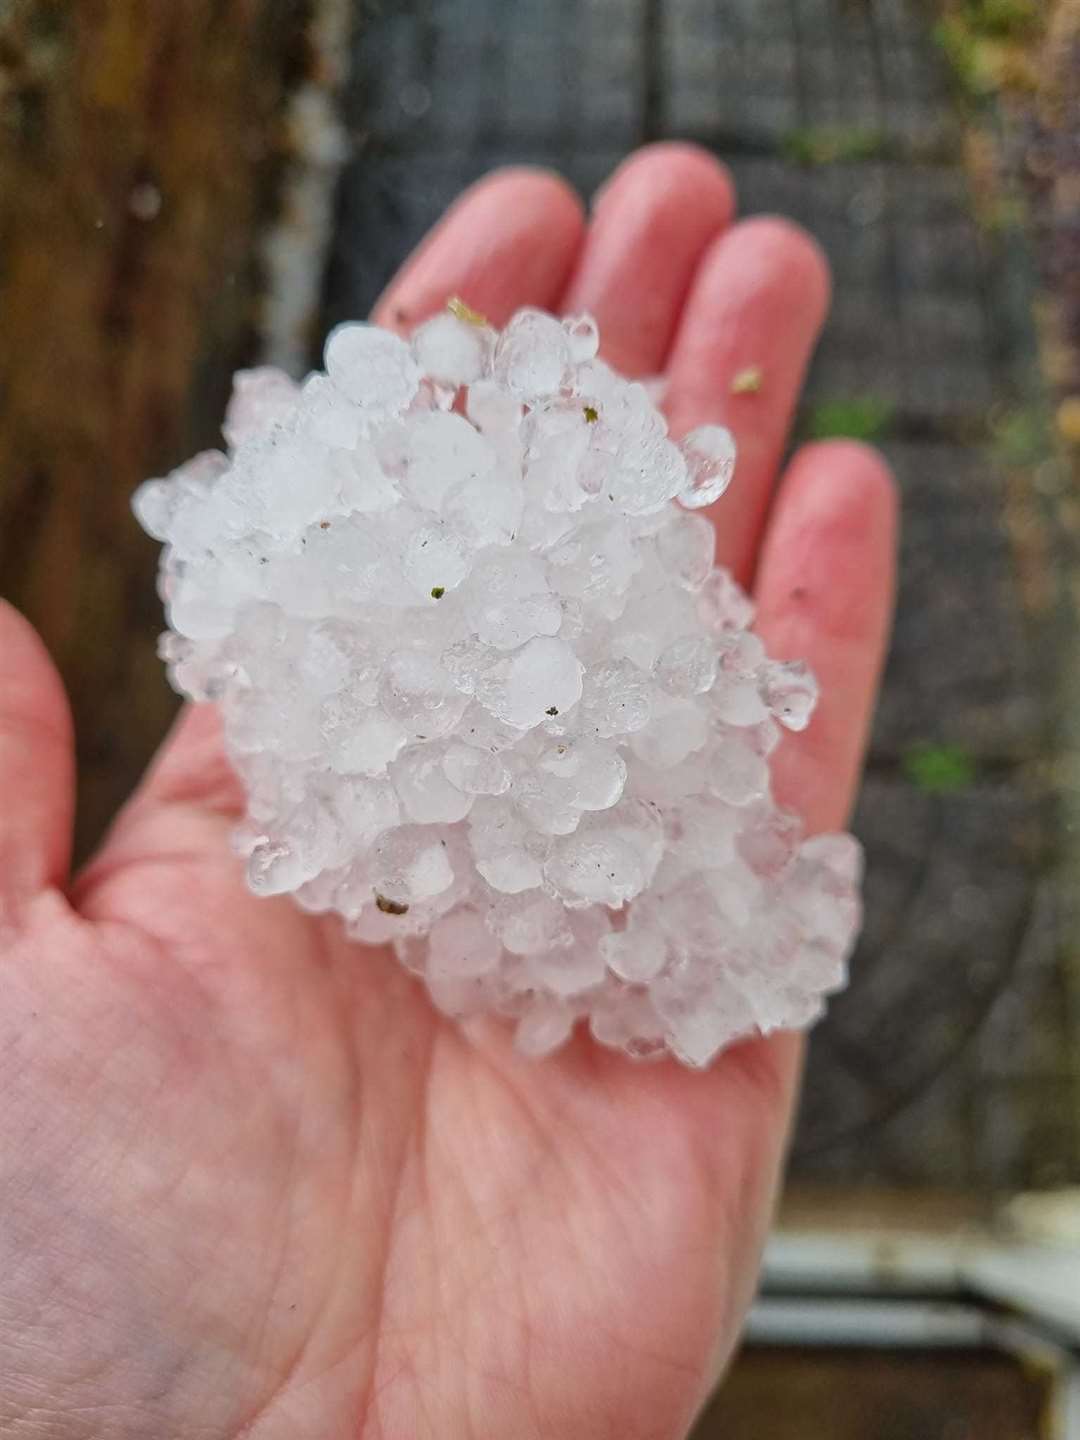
<point x="953" y="1058"/>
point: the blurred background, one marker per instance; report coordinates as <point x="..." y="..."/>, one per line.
<point x="185" y="188"/>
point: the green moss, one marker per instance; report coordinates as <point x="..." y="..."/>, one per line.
<point x="855" y="417"/>
<point x="939" y="769"/>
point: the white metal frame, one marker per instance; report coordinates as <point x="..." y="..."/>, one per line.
<point x="888" y="1289"/>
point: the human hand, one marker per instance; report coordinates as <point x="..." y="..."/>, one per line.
<point x="250" y="1182"/>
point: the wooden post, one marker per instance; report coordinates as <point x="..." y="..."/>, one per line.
<point x="139" y="142"/>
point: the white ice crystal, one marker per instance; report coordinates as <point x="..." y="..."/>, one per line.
<point x="491" y="701"/>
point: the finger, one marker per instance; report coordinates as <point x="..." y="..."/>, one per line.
<point x="650" y="225"/>
<point x="754" y="312"/>
<point x="191" y="767"/>
<point x="37" y="764"/>
<point x="825" y="595"/>
<point x="510" y="240"/>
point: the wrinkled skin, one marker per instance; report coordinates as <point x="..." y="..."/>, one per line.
<point x="250" y="1184"/>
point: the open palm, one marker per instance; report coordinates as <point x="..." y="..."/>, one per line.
<point x="250" y="1183"/>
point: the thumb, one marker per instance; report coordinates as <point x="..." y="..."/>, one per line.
<point x="37" y="765"/>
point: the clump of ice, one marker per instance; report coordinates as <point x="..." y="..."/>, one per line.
<point x="489" y="696"/>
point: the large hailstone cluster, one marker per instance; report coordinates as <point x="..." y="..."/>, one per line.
<point x="490" y="698"/>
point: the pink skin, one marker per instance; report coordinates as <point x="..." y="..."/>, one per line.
<point x="249" y="1183"/>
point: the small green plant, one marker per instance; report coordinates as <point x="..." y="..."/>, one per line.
<point x="465" y="313"/>
<point x="1020" y="438"/>
<point x="982" y="40"/>
<point x="827" y="145"/>
<point x="939" y="769"/>
<point x="855" y="417"/>
<point x="1002" y="19"/>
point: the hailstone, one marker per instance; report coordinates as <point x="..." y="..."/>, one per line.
<point x="492" y="702"/>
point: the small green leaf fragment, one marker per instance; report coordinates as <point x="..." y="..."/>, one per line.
<point x="552" y="710"/>
<point x="939" y="769"/>
<point x="830" y="145"/>
<point x="438" y="591"/>
<point x="592" y="415"/>
<point x="748" y="381"/>
<point x="465" y="313"/>
<point x="854" y="417"/>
